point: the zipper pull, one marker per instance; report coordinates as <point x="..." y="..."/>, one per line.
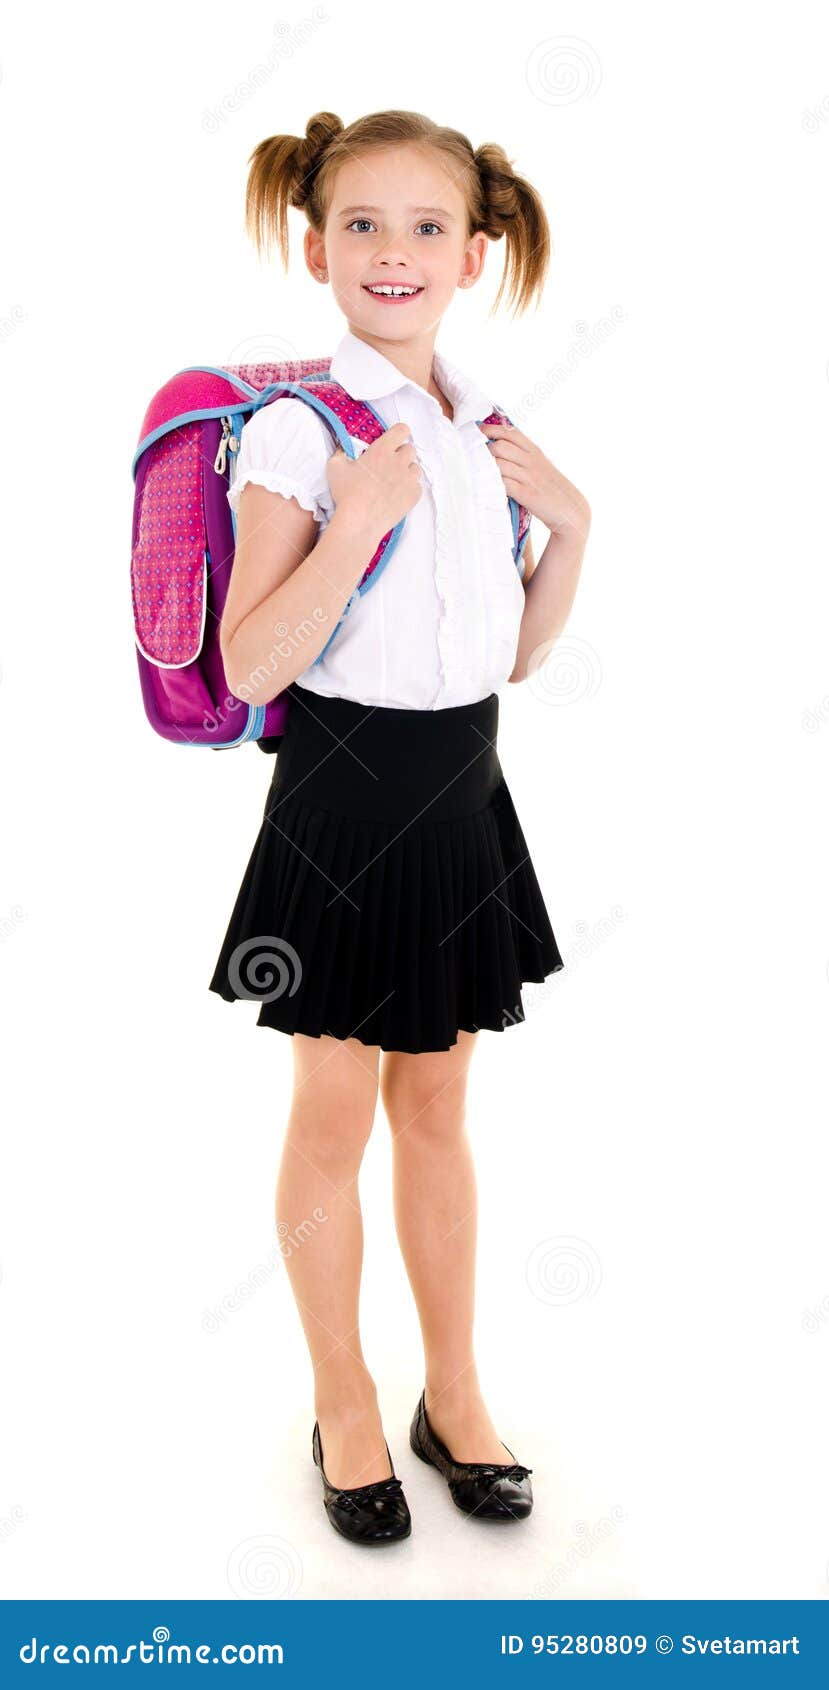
<point x="221" y="456"/>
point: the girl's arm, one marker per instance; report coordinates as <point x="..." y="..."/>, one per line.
<point x="550" y="584"/>
<point x="287" y="595"/>
<point x="549" y="594"/>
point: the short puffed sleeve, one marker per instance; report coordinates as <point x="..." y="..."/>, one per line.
<point x="285" y="447"/>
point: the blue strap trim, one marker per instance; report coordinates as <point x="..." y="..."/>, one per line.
<point x="358" y="591"/>
<point x="337" y="428"/>
<point x="518" y="546"/>
<point x="178" y="422"/>
<point x="519" y="556"/>
<point x="197" y="416"/>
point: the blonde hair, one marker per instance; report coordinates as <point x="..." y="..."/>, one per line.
<point x="299" y="171"/>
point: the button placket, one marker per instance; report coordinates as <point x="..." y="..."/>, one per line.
<point x="461" y="633"/>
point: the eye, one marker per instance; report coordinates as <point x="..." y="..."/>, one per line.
<point x="366" y="221"/>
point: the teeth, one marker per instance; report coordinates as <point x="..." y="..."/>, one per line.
<point x="392" y="290"/>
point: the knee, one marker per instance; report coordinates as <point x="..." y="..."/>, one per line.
<point x="330" y="1137"/>
<point x="418" y="1108"/>
<point x="331" y="1122"/>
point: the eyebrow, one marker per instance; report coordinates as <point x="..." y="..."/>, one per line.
<point x="436" y="210"/>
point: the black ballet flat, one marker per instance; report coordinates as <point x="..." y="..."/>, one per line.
<point x="376" y="1513"/>
<point x="491" y="1490"/>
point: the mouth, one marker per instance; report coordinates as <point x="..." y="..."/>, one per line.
<point x="390" y="293"/>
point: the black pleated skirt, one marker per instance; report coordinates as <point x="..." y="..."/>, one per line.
<point x="389" y="896"/>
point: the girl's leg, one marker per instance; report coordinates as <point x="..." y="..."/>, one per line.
<point x="318" y="1207"/>
<point x="436" y="1216"/>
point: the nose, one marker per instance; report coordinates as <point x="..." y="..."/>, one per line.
<point x="394" y="251"/>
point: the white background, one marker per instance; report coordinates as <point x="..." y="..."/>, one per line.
<point x="653" y="1313"/>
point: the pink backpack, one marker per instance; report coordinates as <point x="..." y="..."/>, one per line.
<point x="184" y="532"/>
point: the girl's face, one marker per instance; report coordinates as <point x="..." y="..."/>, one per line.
<point x="396" y="218"/>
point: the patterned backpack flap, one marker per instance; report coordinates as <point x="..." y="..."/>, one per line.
<point x="184" y="534"/>
<point x="183" y="543"/>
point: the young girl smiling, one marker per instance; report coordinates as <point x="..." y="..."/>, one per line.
<point x="390" y="877"/>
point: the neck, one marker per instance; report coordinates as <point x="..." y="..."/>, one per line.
<point x="413" y="358"/>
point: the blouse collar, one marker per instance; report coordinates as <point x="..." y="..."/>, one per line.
<point x="366" y="374"/>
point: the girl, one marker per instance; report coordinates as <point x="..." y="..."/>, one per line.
<point x="390" y="892"/>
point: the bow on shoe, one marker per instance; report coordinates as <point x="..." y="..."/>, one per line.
<point x="484" y="1470"/>
<point x="364" y="1493"/>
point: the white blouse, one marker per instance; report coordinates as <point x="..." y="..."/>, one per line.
<point x="440" y="625"/>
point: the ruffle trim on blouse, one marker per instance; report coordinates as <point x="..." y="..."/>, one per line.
<point x="504" y="603"/>
<point x="285" y="447"/>
<point x="502" y="591"/>
<point x="275" y="482"/>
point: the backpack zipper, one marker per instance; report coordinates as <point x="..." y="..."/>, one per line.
<point x="228" y="442"/>
<point x="256" y="712"/>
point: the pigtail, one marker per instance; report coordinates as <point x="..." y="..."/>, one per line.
<point x="283" y="172"/>
<point x="512" y="208"/>
<point x="299" y="171"/>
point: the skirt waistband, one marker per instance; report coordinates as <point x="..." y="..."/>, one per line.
<point x="379" y="762"/>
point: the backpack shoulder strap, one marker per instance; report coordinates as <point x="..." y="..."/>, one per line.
<point x="519" y="514"/>
<point x="348" y="420"/>
<point x="356" y="419"/>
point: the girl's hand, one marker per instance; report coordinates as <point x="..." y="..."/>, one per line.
<point x="530" y="478"/>
<point x="382" y="485"/>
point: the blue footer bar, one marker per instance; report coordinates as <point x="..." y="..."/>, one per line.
<point x="393" y="1645"/>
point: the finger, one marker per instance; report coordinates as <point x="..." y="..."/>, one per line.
<point x="509" y="452"/>
<point x="390" y="440"/>
<point x="503" y="429"/>
<point x="509" y="443"/>
<point x="518" y="488"/>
